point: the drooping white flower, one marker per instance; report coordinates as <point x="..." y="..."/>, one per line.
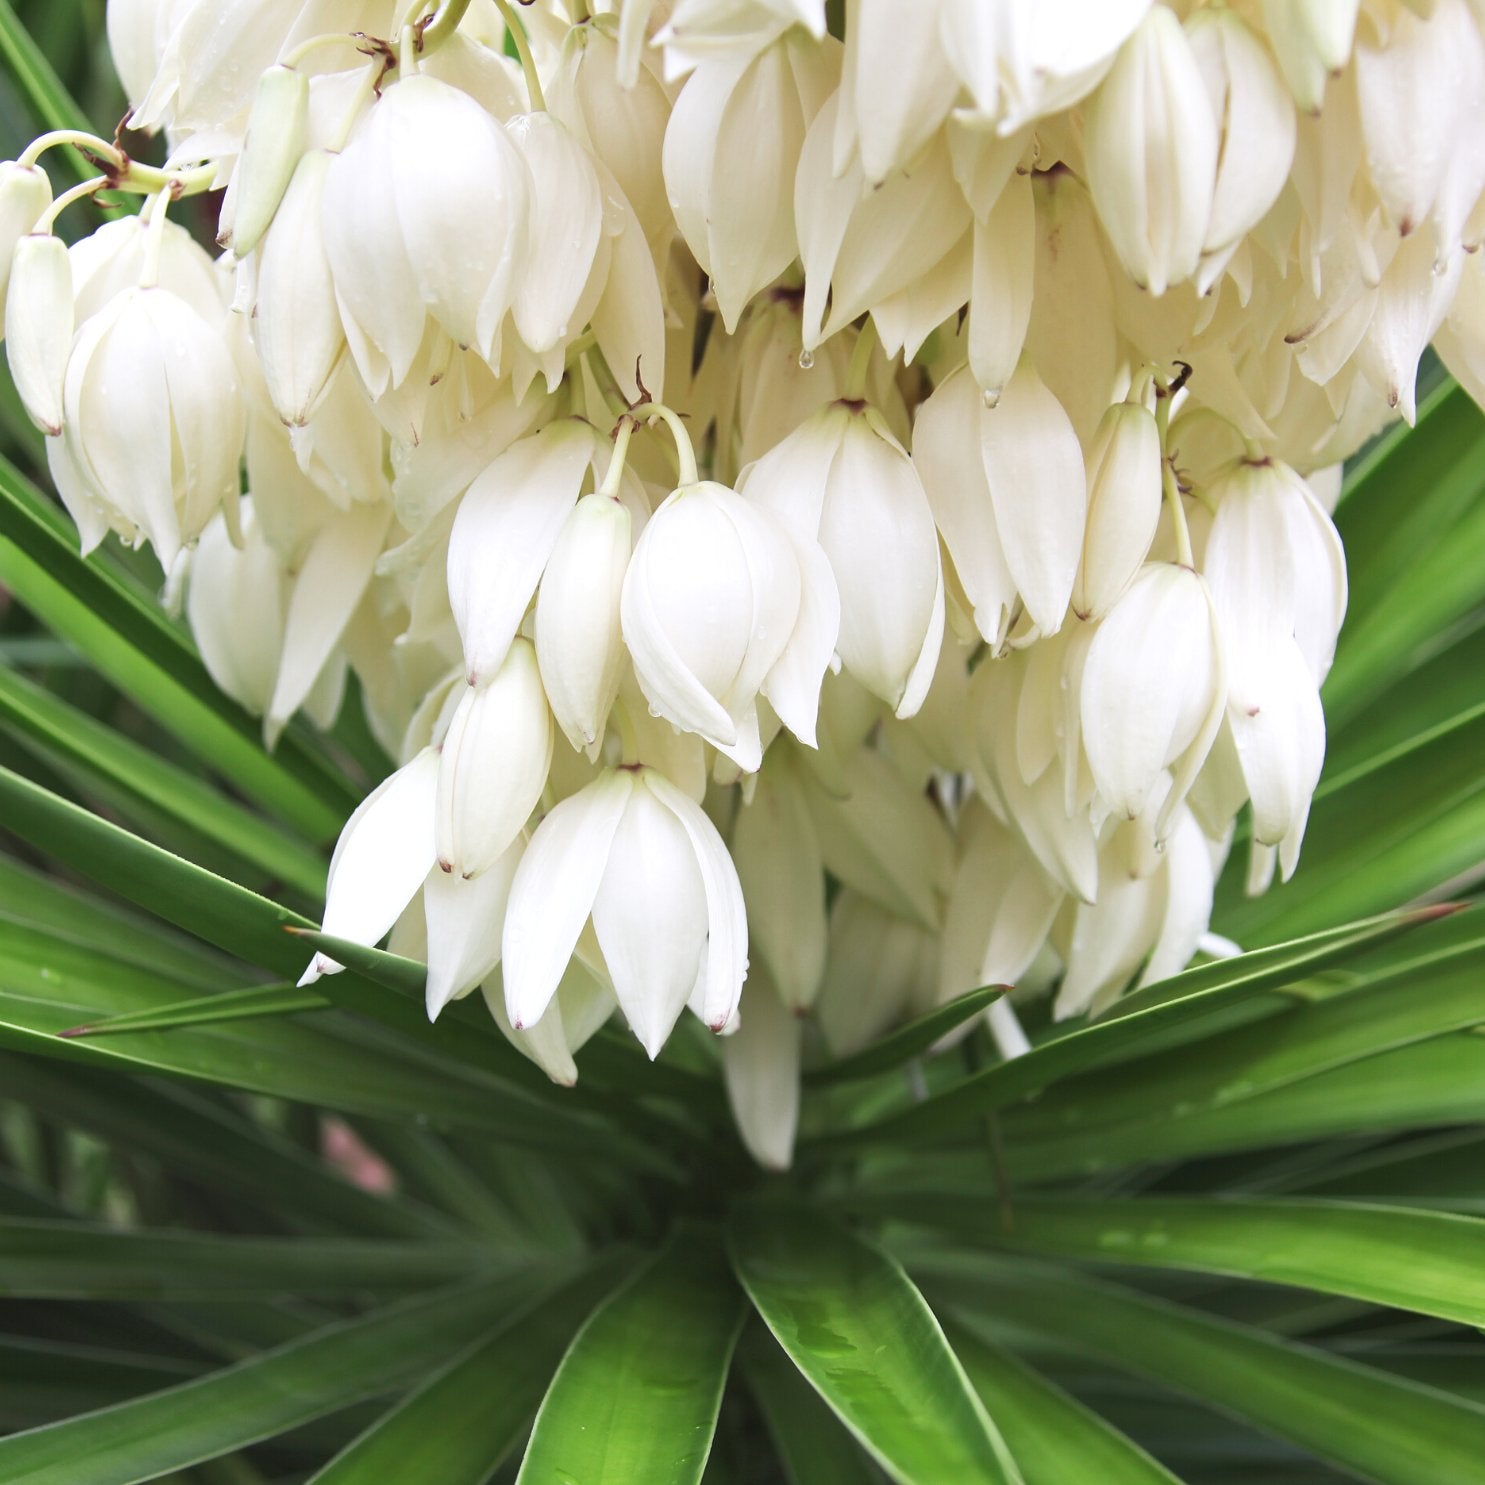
<point x="1151" y="144"/>
<point x="582" y="1005"/>
<point x="1154" y="691"/>
<point x="153" y="421"/>
<point x="493" y="765"/>
<point x="226" y="581"/>
<point x="731" y="148"/>
<point x="425" y="218"/>
<point x="842" y="477"/>
<point x="641" y="859"/>
<point x="507" y="524"/>
<point x="760" y="1064"/>
<point x="1008" y="492"/>
<point x="776" y="849"/>
<point x="712" y="603"/>
<point x="465" y="919"/>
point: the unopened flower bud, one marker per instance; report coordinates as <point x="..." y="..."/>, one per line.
<point x="25" y="194"/>
<point x="276" y="133"/>
<point x="1153" y="691"/>
<point x="38" y="326"/>
<point x="579" y="644"/>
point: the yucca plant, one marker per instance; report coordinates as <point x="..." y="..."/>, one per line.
<point x="252" y="1232"/>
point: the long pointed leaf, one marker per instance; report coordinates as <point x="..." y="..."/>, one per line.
<point x="862" y="1335"/>
<point x="635" y="1399"/>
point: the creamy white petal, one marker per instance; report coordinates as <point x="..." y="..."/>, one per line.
<point x="384" y="852"/>
<point x="465" y="920"/>
<point x="507" y="525"/>
<point x="553" y="892"/>
<point x="760" y="1064"/>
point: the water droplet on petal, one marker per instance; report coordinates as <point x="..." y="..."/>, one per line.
<point x="806" y="360"/>
<point x="990" y="398"/>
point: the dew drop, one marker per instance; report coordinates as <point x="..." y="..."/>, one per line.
<point x="806" y="360"/>
<point x="990" y="399"/>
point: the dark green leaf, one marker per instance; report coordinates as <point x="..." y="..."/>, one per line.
<point x="908" y="1041"/>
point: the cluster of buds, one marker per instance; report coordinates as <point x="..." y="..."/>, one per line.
<point x="822" y="522"/>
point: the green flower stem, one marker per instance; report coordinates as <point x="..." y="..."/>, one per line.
<point x="622" y="434"/>
<point x="1168" y="478"/>
<point x="860" y="364"/>
<point x="444" y="23"/>
<point x="523" y="50"/>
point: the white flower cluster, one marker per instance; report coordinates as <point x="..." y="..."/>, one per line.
<point x="864" y="499"/>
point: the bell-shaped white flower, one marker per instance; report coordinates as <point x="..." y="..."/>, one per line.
<point x="493" y="765"/>
<point x="425" y="217"/>
<point x="384" y="852"/>
<point x="731" y="149"/>
<point x="641" y="859"/>
<point x="296" y="322"/>
<point x="508" y="522"/>
<point x="277" y="133"/>
<point x="1008" y="492"/>
<point x="710" y="606"/>
<point x="565" y="230"/>
<point x="25" y="194"/>
<point x="138" y="31"/>
<point x="843" y="477"/>
<point x="334" y="573"/>
<point x="579" y="642"/>
<point x="621" y="121"/>
<point x="1154" y="691"/>
<point x="226" y="581"/>
<point x="1151" y="144"/>
<point x="1255" y="118"/>
<point x="999" y="912"/>
<point x="1124" y="494"/>
<point x="38" y="326"/>
<point x="153" y="417"/>
<point x="760" y="1065"/>
<point x="777" y="852"/>
<point x="861" y="246"/>
<point x="880" y="834"/>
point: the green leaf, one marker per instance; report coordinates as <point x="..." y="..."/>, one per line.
<point x="225" y="1005"/>
<point x="53" y="105"/>
<point x="77" y="1260"/>
<point x="458" y="1426"/>
<point x="1380" y="1427"/>
<point x="636" y="1397"/>
<point x="198" y="1138"/>
<point x="1414" y="566"/>
<point x="862" y="1335"/>
<point x="1111" y="1117"/>
<point x="813" y="1446"/>
<point x="131" y="642"/>
<point x="1210" y="998"/>
<point x="291" y="1384"/>
<point x="56" y="728"/>
<point x="1055" y="1439"/>
<point x="908" y="1041"/>
<point x="1427" y="1262"/>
